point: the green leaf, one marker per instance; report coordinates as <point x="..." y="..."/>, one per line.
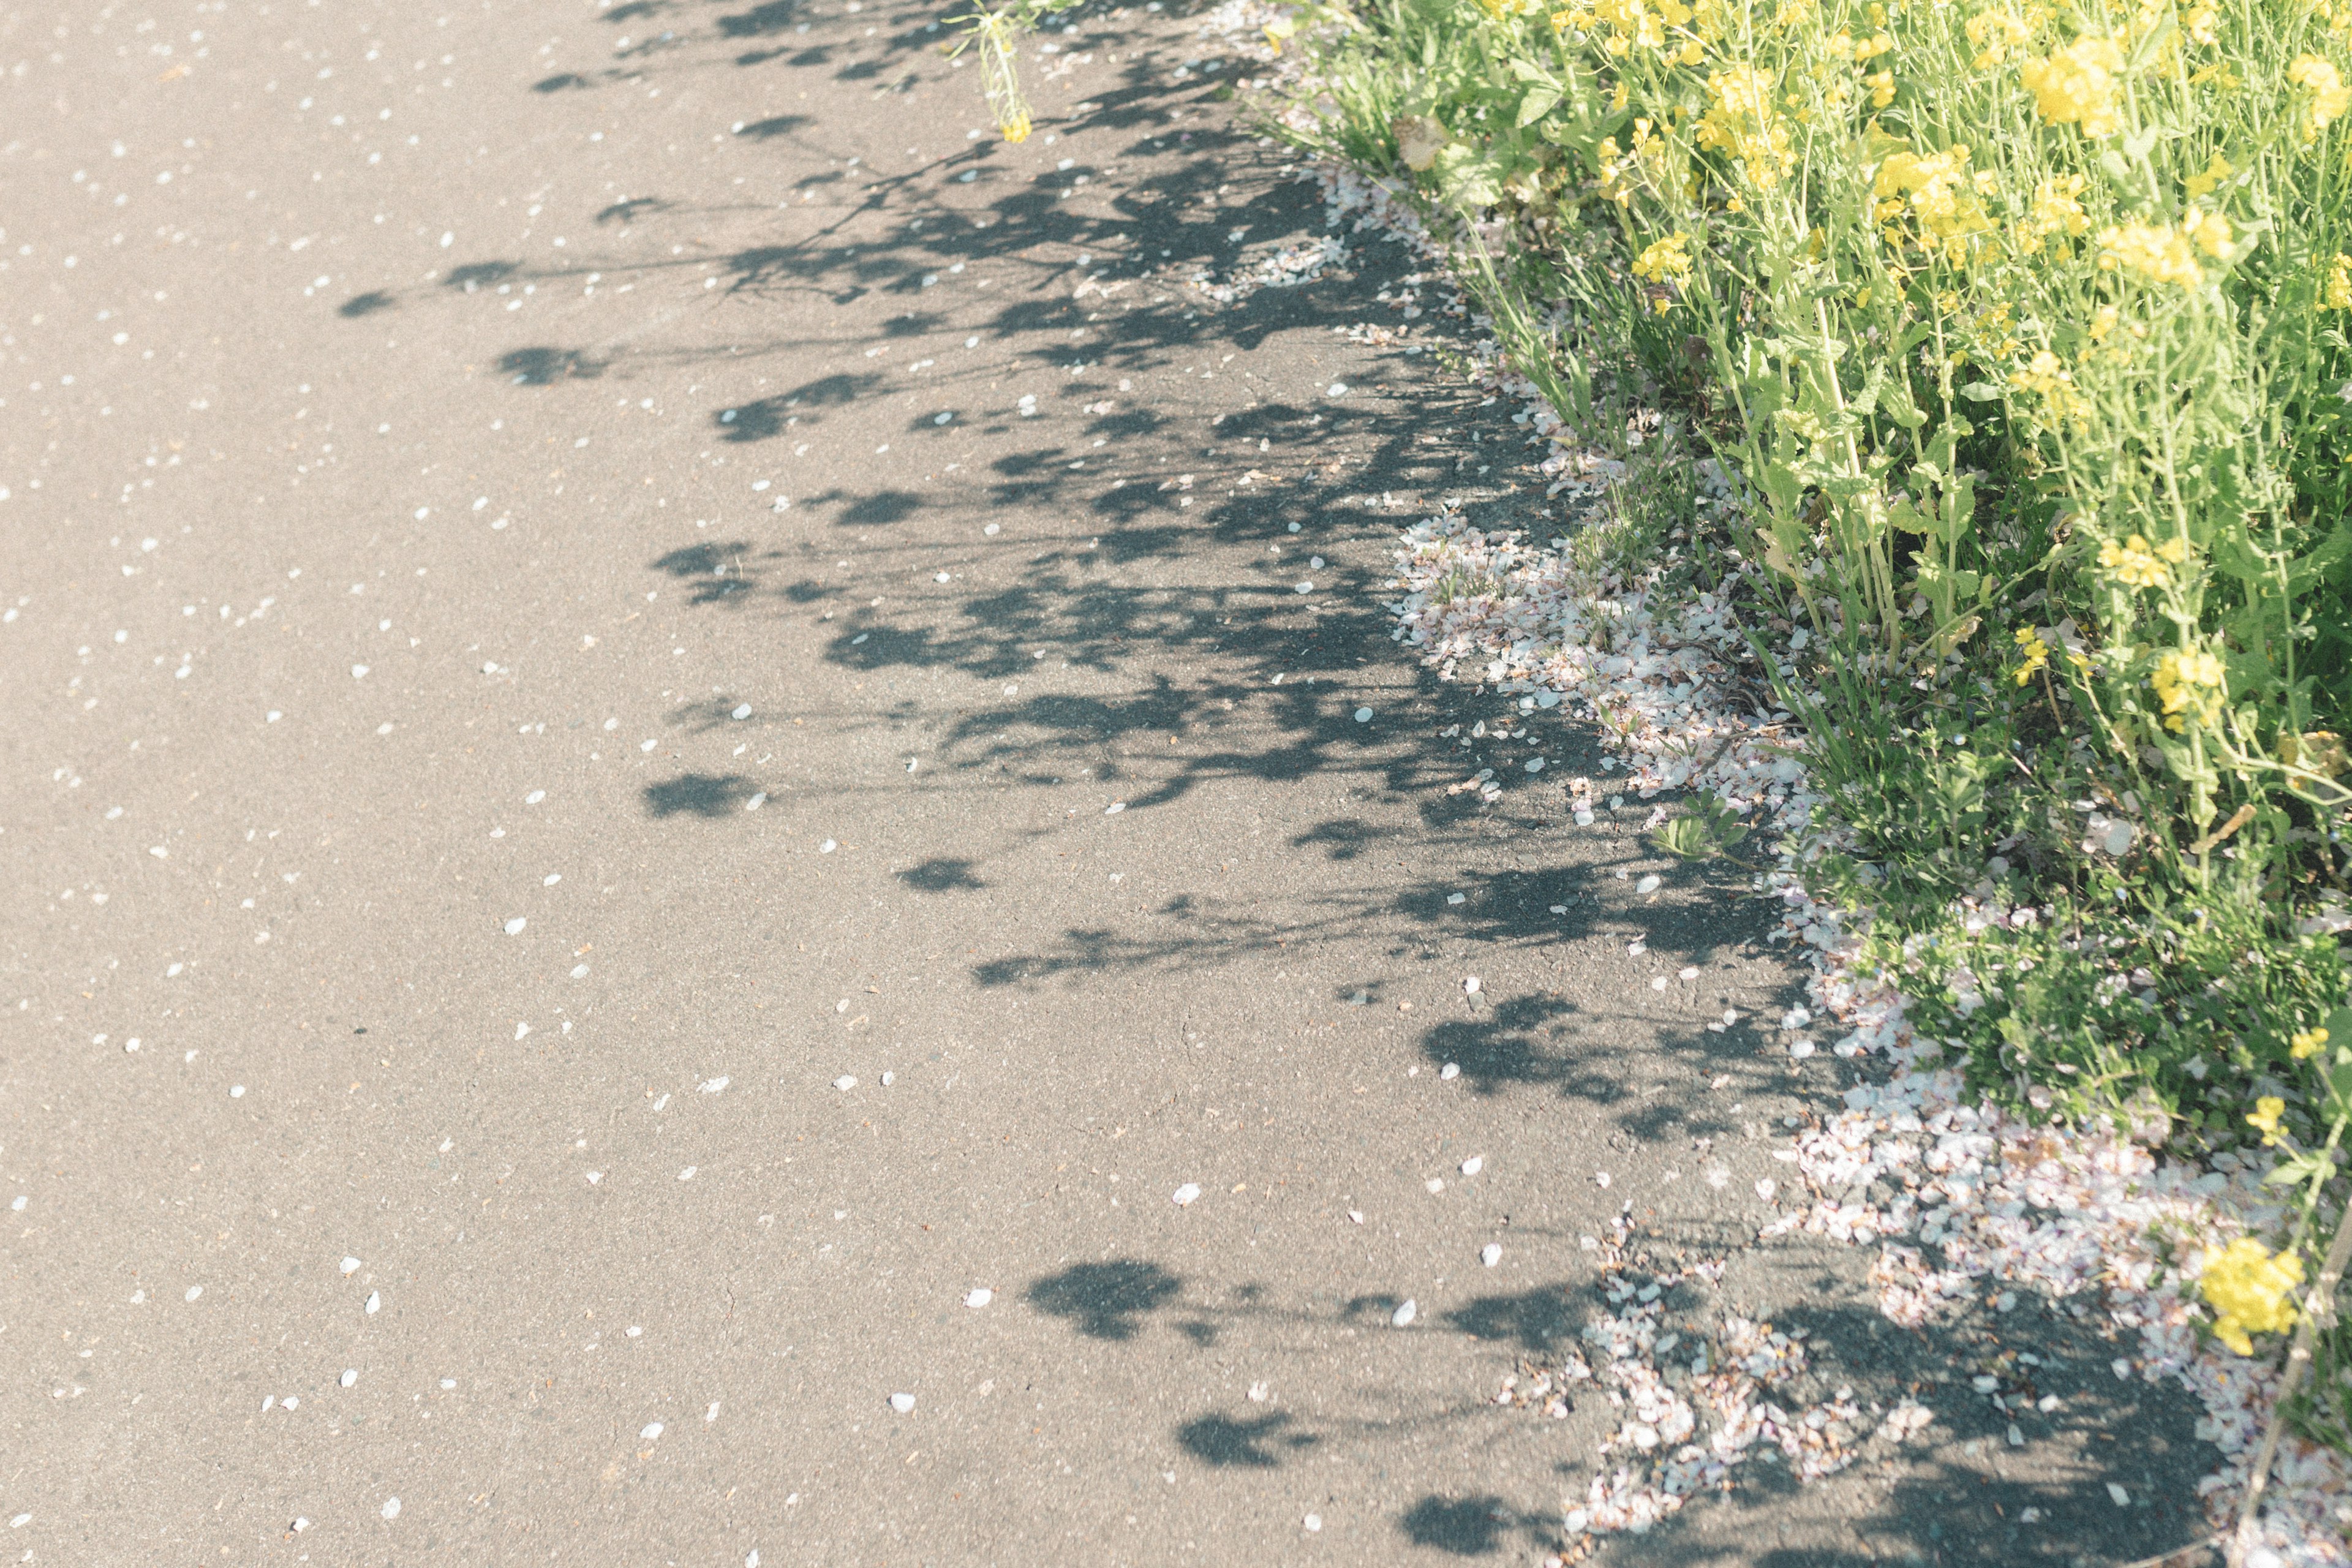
<point x="1538" y="102"/>
<point x="1980" y="392"/>
<point x="1686" y="839"/>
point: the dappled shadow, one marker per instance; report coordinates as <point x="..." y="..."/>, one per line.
<point x="477" y="274"/>
<point x="366" y="304"/>
<point x="1250" y="1443"/>
<point x="630" y="210"/>
<point x="775" y="125"/>
<point x="1540" y="1319"/>
<point x="773" y="16"/>
<point x="940" y="875"/>
<point x="1466" y="1527"/>
<point x="697" y="794"/>
<point x="544" y="366"/>
<point x="1106" y="1300"/>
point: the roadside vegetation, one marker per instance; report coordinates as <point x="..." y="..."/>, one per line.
<point x="2021" y="331"/>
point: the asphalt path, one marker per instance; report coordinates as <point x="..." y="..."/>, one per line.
<point x="713" y="847"/>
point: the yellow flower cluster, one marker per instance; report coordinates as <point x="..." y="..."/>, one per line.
<point x="1633" y="24"/>
<point x="2047" y="375"/>
<point x="2076" y="85"/>
<point x="1937" y="191"/>
<point x="2162" y="253"/>
<point x="2138" y="565"/>
<point x="2189" y="687"/>
<point x="2056" y="210"/>
<point x="2265" y="1118"/>
<point x="1741" y="123"/>
<point x="2199" y="186"/>
<point x="2337" y="295"/>
<point x="1664" y="260"/>
<point x="2308" y="1043"/>
<point x="2249" y="1290"/>
<point x="1997" y="35"/>
<point x="2036" y="652"/>
<point x="2329" y="97"/>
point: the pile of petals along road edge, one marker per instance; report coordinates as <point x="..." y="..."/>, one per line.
<point x="1984" y="1204"/>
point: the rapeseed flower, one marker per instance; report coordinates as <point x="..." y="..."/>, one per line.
<point x="2265" y="1118"/>
<point x="1664" y="260"/>
<point x="2248" y="1289"/>
<point x="2189" y="687"/>
<point x="1741" y="123"/>
<point x="2056" y="210"/>
<point x="2156" y="251"/>
<point x="2036" y="652"/>
<point x="2308" y="1043"/>
<point x="2337" y="295"/>
<point x="2199" y="186"/>
<point x="2076" y="85"/>
<point x="2210" y="231"/>
<point x="1637" y="24"/>
<point x="2048" y="376"/>
<point x="2329" y="97"/>
<point x="1999" y="34"/>
<point x="2137" y="565"/>
<point x="1937" y="191"/>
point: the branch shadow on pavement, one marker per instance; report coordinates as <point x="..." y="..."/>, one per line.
<point x="1964" y="1490"/>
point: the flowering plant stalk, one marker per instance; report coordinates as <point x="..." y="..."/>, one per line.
<point x="997" y="34"/>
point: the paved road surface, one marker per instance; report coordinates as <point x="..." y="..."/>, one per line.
<point x="662" y="714"/>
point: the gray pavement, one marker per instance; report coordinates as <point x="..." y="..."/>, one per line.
<point x="659" y="718"/>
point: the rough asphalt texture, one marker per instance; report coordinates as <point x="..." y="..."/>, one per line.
<point x="565" y="734"/>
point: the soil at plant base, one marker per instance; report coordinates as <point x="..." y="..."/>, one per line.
<point x="685" y="742"/>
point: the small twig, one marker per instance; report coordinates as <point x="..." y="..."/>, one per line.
<point x="2318" y="1312"/>
<point x="2238" y="819"/>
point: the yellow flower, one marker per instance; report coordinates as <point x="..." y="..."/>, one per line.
<point x="2155" y="251"/>
<point x="2133" y="563"/>
<point x="2199" y="24"/>
<point x="2210" y="231"/>
<point x="2036" y="652"/>
<point x="1666" y="260"/>
<point x="2055" y="211"/>
<point x="1995" y="35"/>
<point x="2047" y="375"/>
<point x="2337" y="294"/>
<point x="2190" y="685"/>
<point x="1742" y="124"/>
<point x="2199" y="186"/>
<point x="2076" y="85"/>
<point x="1881" y="88"/>
<point x="2308" y="1043"/>
<point x="2265" y="1118"/>
<point x="2248" y="1289"/>
<point x="2329" y="97"/>
<point x="2102" y="323"/>
<point x="1637" y="24"/>
<point x="1937" y="192"/>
